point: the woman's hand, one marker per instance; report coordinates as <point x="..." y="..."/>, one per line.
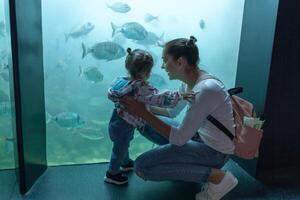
<point x="133" y="106"/>
<point x="189" y="96"/>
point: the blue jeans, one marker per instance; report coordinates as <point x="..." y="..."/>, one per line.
<point x="120" y="133"/>
<point x="191" y="162"/>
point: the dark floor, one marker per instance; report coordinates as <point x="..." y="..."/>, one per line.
<point x="85" y="182"/>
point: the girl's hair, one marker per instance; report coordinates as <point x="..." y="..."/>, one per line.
<point x="183" y="47"/>
<point x="138" y="62"/>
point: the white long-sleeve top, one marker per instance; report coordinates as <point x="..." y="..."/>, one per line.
<point x="211" y="99"/>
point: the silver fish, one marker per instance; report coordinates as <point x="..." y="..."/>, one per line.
<point x="92" y="74"/>
<point x="202" y="24"/>
<point x="148" y="17"/>
<point x="151" y="39"/>
<point x="104" y="51"/>
<point x="131" y="30"/>
<point x="2" y="29"/>
<point x="67" y="120"/>
<point x="119" y="7"/>
<point x="83" y="30"/>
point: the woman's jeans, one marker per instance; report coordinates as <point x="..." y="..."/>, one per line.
<point x="191" y="162"/>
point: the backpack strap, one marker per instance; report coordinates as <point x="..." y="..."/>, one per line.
<point x="220" y="126"/>
<point x="231" y="92"/>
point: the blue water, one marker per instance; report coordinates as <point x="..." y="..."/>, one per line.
<point x="216" y="25"/>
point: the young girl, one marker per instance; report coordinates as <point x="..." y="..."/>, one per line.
<point x="122" y="125"/>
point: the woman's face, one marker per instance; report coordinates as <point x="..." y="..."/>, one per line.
<point x="171" y="66"/>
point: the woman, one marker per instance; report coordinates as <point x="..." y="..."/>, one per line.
<point x="195" y="150"/>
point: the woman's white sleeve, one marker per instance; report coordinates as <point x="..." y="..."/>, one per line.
<point x="205" y="103"/>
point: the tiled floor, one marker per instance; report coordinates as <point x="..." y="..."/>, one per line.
<point x="85" y="182"/>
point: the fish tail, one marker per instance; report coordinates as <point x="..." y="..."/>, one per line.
<point x="66" y="37"/>
<point x="157" y="18"/>
<point x="114" y="29"/>
<point x="84" y="50"/>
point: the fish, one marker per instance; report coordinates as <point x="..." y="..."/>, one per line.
<point x="83" y="30"/>
<point x="157" y="80"/>
<point x="91" y="133"/>
<point x="67" y="120"/>
<point x="119" y="7"/>
<point x="92" y="74"/>
<point x="148" y="17"/>
<point x="104" y="51"/>
<point x="2" y="29"/>
<point x="131" y="30"/>
<point x="202" y="24"/>
<point x="151" y="39"/>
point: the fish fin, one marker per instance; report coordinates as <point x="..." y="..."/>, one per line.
<point x="84" y="50"/>
<point x="114" y="29"/>
<point x="66" y="37"/>
<point x="156" y="18"/>
<point x="161" y="37"/>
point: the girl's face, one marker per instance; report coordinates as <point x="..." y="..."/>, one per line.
<point x="171" y="66"/>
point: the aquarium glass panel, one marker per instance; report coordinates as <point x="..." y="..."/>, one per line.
<point x="7" y="112"/>
<point x="85" y="44"/>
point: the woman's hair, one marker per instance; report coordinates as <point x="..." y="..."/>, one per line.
<point x="183" y="47"/>
<point x="138" y="62"/>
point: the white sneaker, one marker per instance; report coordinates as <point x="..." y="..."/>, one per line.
<point x="212" y="191"/>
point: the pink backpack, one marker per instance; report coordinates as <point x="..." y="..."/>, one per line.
<point x="246" y="139"/>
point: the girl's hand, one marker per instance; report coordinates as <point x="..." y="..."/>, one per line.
<point x="189" y="96"/>
<point x="133" y="106"/>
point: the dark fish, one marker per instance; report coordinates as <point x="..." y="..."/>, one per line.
<point x="119" y="7"/>
<point x="104" y="51"/>
<point x="83" y="30"/>
<point x="131" y="30"/>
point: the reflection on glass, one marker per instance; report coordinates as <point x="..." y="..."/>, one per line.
<point x="7" y="138"/>
<point x="84" y="50"/>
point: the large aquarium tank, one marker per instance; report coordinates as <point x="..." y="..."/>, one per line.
<point x="77" y="76"/>
<point x="7" y="112"/>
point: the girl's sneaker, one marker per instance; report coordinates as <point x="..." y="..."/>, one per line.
<point x="117" y="179"/>
<point x="128" y="167"/>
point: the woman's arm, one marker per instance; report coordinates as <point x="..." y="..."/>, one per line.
<point x="159" y="111"/>
<point x="137" y="108"/>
